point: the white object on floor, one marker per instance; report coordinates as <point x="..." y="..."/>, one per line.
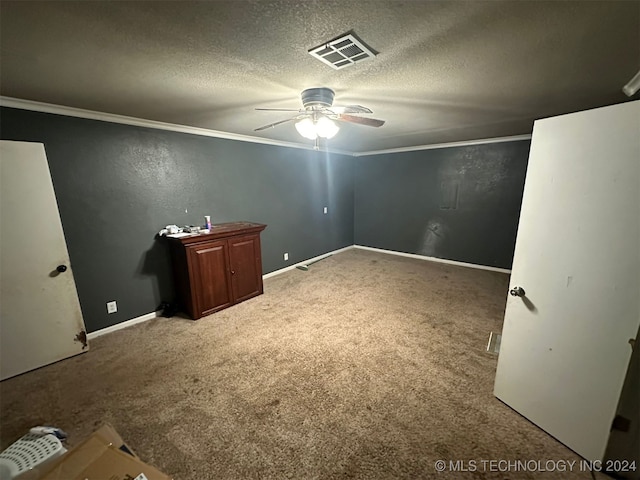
<point x="493" y="346"/>
<point x="42" y="430"/>
<point x="27" y="453"/>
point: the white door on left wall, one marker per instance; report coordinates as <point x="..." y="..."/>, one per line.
<point x="40" y="317"/>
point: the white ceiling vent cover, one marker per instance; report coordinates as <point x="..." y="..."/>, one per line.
<point x="342" y="52"/>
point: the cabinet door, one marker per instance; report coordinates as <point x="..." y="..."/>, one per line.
<point x="209" y="277"/>
<point x="246" y="267"/>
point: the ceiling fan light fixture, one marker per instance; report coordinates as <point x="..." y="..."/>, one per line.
<point x="317" y="117"/>
<point x="307" y="128"/>
<point x="326" y="128"/>
<point x="312" y="129"/>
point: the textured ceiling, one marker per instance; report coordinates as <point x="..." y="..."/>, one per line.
<point x="446" y="71"/>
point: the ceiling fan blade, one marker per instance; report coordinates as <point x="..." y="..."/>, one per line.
<point x="281" y="109"/>
<point x="275" y="124"/>
<point x="369" y="122"/>
<point x="351" y="109"/>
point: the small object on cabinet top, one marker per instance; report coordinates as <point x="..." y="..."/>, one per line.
<point x="218" y="230"/>
<point x="170" y="229"/>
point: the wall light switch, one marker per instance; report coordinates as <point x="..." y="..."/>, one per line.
<point x="286" y="257"/>
<point x="325" y="210"/>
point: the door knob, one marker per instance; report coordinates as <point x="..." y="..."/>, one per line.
<point x="517" y="292"/>
<point x="61" y="268"/>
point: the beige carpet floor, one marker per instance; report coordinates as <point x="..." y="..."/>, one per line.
<point x="368" y="366"/>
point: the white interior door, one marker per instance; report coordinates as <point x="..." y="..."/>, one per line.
<point x="40" y="317"/>
<point x="565" y="344"/>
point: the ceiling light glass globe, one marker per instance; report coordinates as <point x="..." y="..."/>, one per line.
<point x="306" y="128"/>
<point x="326" y="128"/>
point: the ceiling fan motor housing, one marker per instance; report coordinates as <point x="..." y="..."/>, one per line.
<point x="317" y="96"/>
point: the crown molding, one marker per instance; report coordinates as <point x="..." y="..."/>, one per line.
<point x="21" y="104"/>
<point x="514" y="138"/>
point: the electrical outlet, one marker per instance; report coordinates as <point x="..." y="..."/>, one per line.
<point x="325" y="210"/>
<point x="286" y="257"/>
<point x="112" y="307"/>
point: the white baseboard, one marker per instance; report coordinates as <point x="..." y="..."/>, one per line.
<point x="125" y="324"/>
<point x="434" y="259"/>
<point x="309" y="260"/>
<point x="149" y="316"/>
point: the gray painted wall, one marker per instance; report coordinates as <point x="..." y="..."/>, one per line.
<point x="118" y="185"/>
<point x="457" y="203"/>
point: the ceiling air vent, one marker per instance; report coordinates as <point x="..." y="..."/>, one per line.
<point x="342" y="52"/>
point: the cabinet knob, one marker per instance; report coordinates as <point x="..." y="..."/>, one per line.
<point x="61" y="268"/>
<point x="233" y="272"/>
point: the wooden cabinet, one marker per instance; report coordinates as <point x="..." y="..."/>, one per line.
<point x="218" y="269"/>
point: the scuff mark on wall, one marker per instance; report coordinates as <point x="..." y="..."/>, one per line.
<point x="434" y="234"/>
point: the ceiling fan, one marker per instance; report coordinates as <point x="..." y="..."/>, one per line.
<point x="316" y="117"/>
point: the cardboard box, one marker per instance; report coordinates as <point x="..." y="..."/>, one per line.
<point x="108" y="435"/>
<point x="102" y="456"/>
